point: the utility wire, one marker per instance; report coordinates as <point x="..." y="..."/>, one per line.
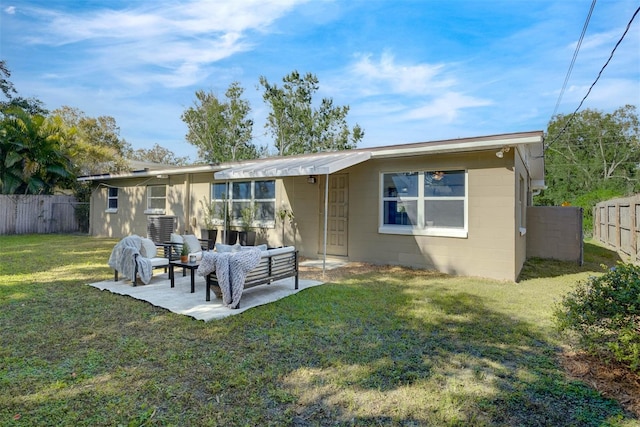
<point x="566" y="126"/>
<point x="573" y="60"/>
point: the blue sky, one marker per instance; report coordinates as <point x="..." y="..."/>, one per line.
<point x="411" y="71"/>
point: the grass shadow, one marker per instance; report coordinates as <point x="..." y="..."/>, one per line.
<point x="595" y="256"/>
<point x="402" y="348"/>
<point x="461" y="362"/>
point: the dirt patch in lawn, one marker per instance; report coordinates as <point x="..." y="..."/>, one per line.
<point x="356" y="268"/>
<point x="612" y="380"/>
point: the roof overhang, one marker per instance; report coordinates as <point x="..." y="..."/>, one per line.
<point x="315" y="164"/>
<point x="530" y="145"/>
<point x="158" y="173"/>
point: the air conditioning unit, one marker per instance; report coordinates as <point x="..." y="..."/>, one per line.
<point x="159" y="228"/>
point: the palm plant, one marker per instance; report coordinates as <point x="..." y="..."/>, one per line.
<point x="32" y="160"/>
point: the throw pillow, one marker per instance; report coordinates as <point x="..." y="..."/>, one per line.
<point x="192" y="242"/>
<point x="227" y="248"/>
<point x="262" y="247"/>
<point x="148" y="249"/>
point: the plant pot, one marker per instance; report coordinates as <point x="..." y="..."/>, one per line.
<point x="247" y="238"/>
<point x="210" y="236"/>
<point x="184" y="258"/>
<point x="231" y="237"/>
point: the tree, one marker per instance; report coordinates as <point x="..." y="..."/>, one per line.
<point x="221" y="129"/>
<point x="5" y="84"/>
<point x="32" y="158"/>
<point x="31" y="105"/>
<point x="158" y="154"/>
<point x="96" y="145"/>
<point x="299" y="128"/>
<point x="591" y="156"/>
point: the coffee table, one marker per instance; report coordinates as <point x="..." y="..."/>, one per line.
<point x="191" y="266"/>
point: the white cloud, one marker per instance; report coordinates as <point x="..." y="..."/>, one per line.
<point x="11" y="10"/>
<point x="604" y="40"/>
<point x="171" y="46"/>
<point x="420" y="79"/>
<point x="446" y="107"/>
<point x="402" y="84"/>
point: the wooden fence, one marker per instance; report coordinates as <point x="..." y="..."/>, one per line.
<point x="615" y="223"/>
<point x="37" y="214"/>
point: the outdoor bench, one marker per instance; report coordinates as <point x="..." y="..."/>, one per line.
<point x="275" y="264"/>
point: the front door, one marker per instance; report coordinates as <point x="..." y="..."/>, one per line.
<point x="338" y="218"/>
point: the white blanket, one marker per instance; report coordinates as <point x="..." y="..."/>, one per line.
<point x="126" y="255"/>
<point x="231" y="270"/>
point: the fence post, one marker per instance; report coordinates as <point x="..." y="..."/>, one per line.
<point x="633" y="204"/>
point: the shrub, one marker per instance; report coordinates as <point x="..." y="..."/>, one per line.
<point x="604" y="314"/>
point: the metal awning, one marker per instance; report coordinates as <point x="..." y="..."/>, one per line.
<point x="313" y="164"/>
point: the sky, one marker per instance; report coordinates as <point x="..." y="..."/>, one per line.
<point x="410" y="70"/>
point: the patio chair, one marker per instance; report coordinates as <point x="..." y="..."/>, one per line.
<point x="136" y="256"/>
<point x="194" y="245"/>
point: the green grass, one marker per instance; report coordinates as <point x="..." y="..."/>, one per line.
<point x="405" y="348"/>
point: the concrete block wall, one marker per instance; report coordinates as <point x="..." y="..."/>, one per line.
<point x="555" y="233"/>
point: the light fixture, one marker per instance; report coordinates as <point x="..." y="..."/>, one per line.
<point x="500" y="154"/>
<point x="162" y="176"/>
<point x="311" y="179"/>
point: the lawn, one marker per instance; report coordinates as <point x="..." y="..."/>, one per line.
<point x="398" y="348"/>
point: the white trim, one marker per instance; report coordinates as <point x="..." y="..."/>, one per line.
<point x="430" y="231"/>
<point x="155" y="211"/>
<point x="454" y="147"/>
<point x="458" y="232"/>
<point x="111" y="210"/>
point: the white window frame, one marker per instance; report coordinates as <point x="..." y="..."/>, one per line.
<point x="110" y="198"/>
<point x="418" y="230"/>
<point x="236" y="221"/>
<point x="150" y="197"/>
<point x="522" y="205"/>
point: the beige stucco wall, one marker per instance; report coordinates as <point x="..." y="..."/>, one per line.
<point x="489" y="248"/>
<point x="186" y="206"/>
<point x="130" y="217"/>
<point x="493" y="247"/>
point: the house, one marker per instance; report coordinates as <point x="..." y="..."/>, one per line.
<point x="458" y="206"/>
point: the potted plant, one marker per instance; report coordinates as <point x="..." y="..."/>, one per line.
<point x="222" y="217"/>
<point x="247" y="236"/>
<point x="285" y="214"/>
<point x="184" y="253"/>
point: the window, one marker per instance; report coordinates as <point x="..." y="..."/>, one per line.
<point x="112" y="200"/>
<point x="522" y="206"/>
<point x="424" y="203"/>
<point x="156" y="199"/>
<point x="259" y="195"/>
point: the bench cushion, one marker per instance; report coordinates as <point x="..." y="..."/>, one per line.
<point x="159" y="262"/>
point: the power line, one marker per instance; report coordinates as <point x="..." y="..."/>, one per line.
<point x="573" y="60"/>
<point x="596" y="80"/>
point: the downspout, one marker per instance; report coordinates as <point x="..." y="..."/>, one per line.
<point x="226" y="210"/>
<point x="326" y="207"/>
<point x="187" y="204"/>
